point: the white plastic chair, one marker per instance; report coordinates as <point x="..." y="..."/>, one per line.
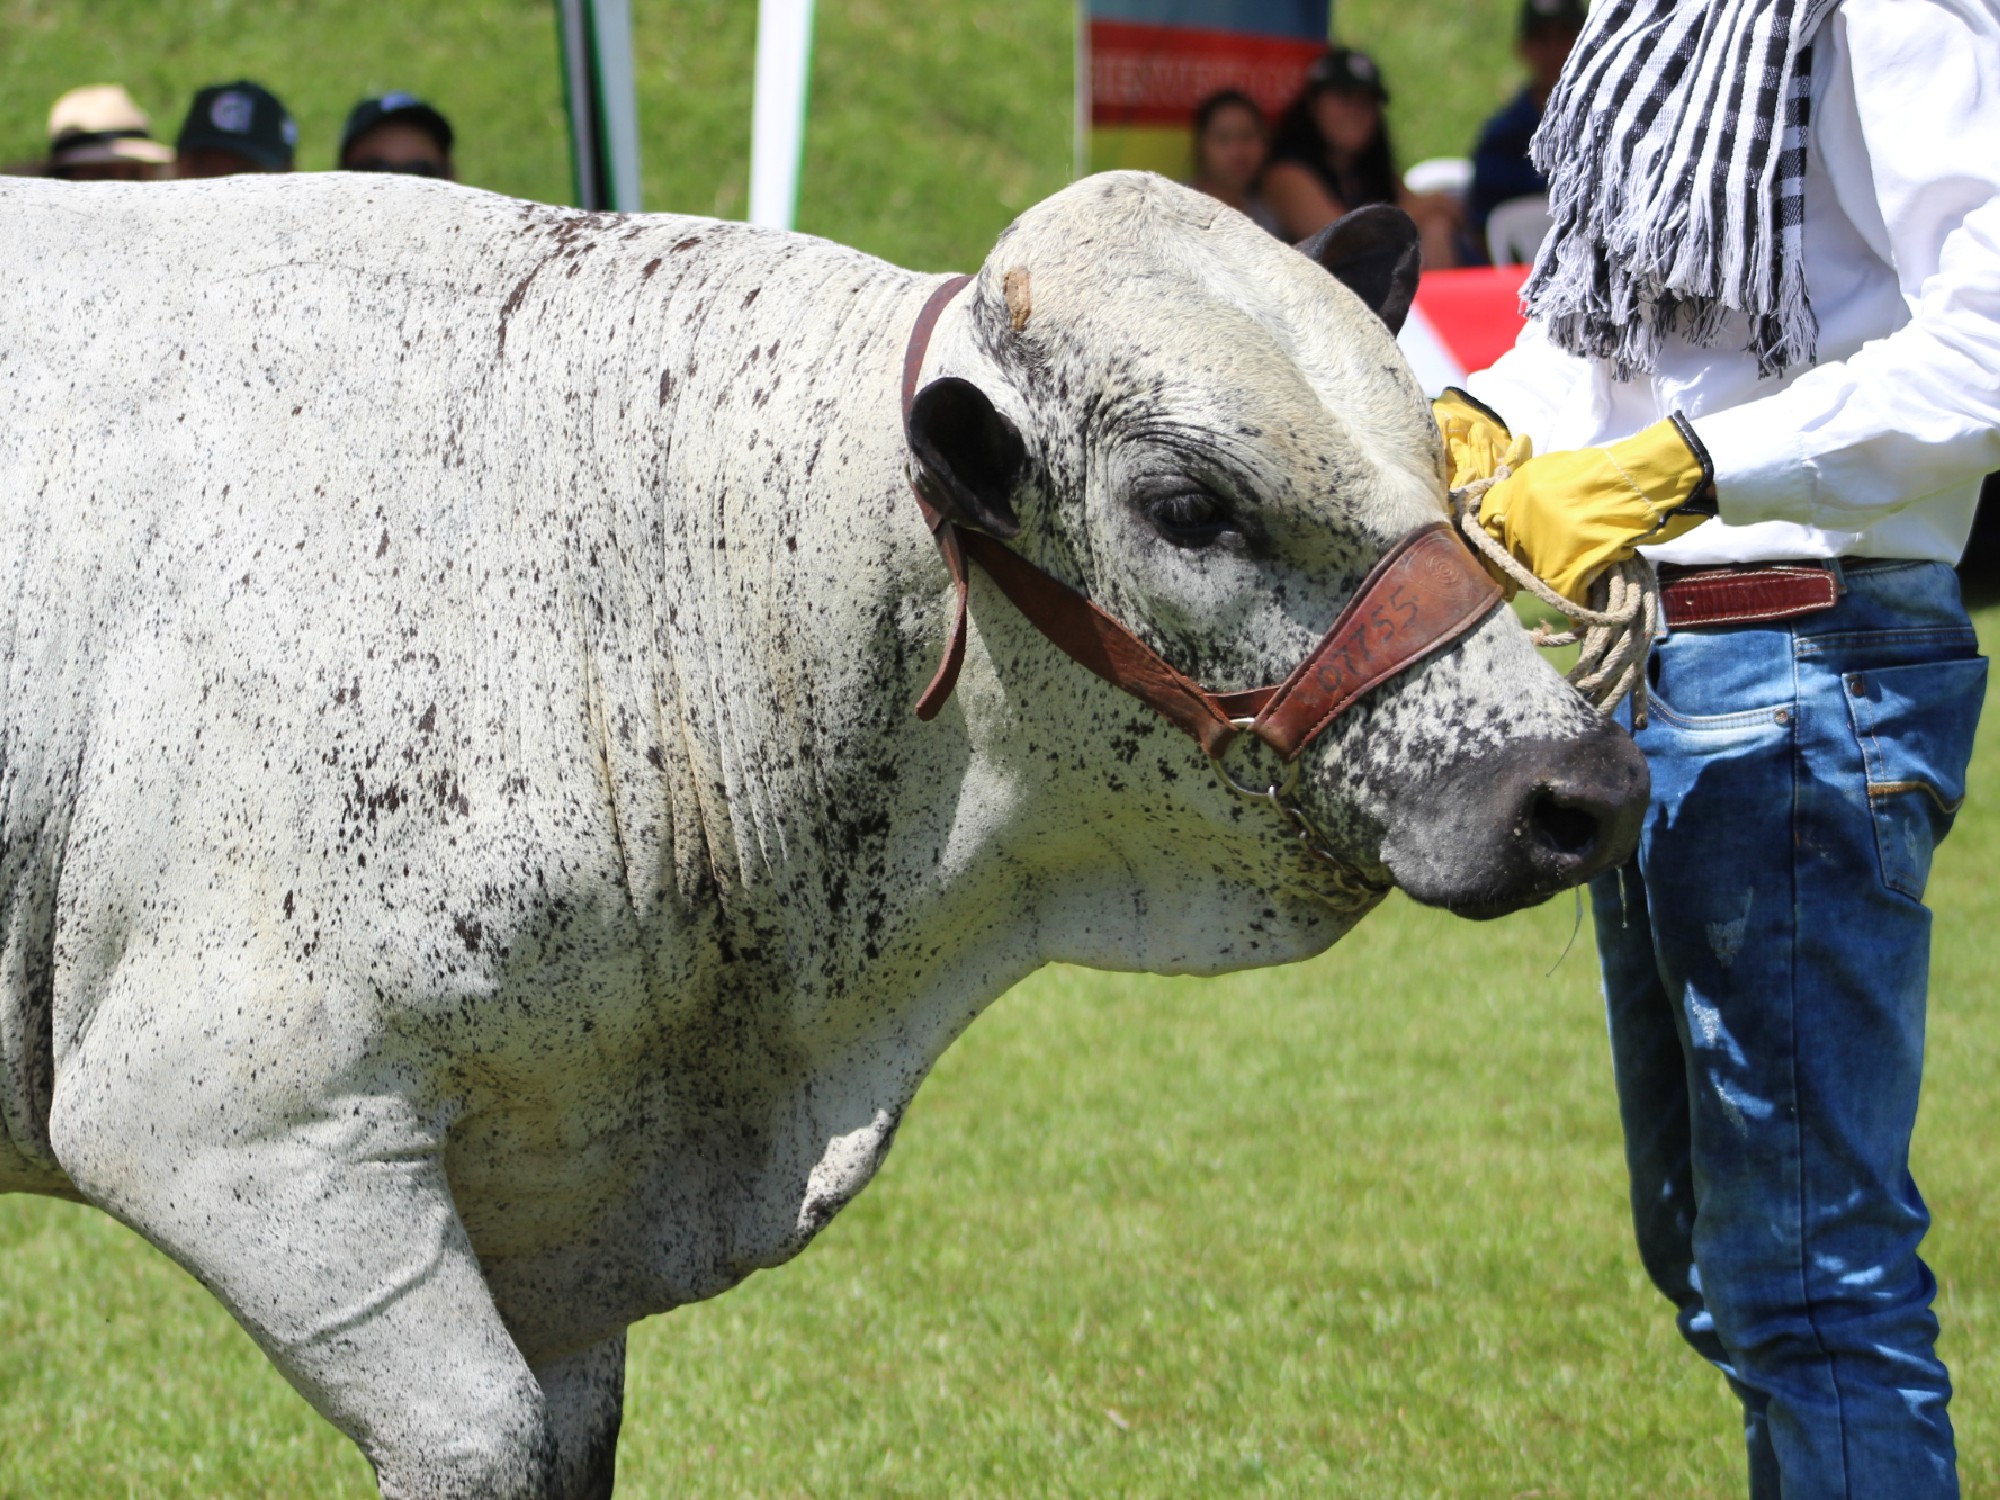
<point x="1515" y="230"/>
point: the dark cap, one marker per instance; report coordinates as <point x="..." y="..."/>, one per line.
<point x="408" y="108"/>
<point x="1563" y="15"/>
<point x="1347" y="70"/>
<point x="243" y="118"/>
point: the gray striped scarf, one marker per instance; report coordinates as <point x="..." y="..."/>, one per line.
<point x="1675" y="148"/>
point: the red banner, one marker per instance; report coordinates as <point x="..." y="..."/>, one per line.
<point x="1461" y="322"/>
<point x="1155" y="75"/>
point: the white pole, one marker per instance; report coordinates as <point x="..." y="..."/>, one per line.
<point x="603" y="107"/>
<point x="778" y="115"/>
<point x="612" y="29"/>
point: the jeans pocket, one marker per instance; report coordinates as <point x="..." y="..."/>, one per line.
<point x="1915" y="724"/>
<point x="1744" y="723"/>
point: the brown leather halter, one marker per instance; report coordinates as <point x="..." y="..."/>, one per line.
<point x="1426" y="592"/>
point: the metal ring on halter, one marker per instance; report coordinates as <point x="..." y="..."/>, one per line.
<point x="1278" y="794"/>
<point x="1271" y="793"/>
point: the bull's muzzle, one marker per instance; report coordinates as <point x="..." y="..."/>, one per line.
<point x="1507" y="830"/>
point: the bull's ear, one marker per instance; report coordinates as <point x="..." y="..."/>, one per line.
<point x="1375" y="252"/>
<point x="970" y="454"/>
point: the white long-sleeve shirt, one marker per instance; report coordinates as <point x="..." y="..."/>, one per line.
<point x="1878" y="448"/>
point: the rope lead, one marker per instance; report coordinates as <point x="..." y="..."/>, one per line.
<point x="1612" y="637"/>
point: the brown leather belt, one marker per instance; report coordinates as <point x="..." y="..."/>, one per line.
<point x="1744" y="593"/>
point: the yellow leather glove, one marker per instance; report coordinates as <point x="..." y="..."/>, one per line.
<point x="1476" y="441"/>
<point x="1568" y="516"/>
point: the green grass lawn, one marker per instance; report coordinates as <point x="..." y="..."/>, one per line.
<point x="1353" y="1228"/>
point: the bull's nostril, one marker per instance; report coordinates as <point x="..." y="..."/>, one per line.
<point x="1522" y="822"/>
<point x="1570" y="831"/>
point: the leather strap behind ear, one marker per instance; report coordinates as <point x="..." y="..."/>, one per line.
<point x="946" y="676"/>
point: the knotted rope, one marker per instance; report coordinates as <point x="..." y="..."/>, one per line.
<point x="1612" y="636"/>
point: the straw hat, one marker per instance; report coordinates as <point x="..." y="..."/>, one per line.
<point x="100" y="124"/>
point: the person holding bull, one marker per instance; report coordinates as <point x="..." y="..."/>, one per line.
<point x="1761" y="344"/>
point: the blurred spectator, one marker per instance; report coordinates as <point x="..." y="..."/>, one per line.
<point x="1332" y="155"/>
<point x="1501" y="170"/>
<point x="98" y="134"/>
<point x="235" y="127"/>
<point x="396" y="133"/>
<point x="1229" y="144"/>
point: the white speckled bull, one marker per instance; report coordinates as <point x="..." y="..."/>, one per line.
<point x="470" y="877"/>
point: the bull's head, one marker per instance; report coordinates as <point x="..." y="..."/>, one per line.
<point x="1216" y="440"/>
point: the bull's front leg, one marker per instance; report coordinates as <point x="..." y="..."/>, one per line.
<point x="585" y="1393"/>
<point x="317" y="1209"/>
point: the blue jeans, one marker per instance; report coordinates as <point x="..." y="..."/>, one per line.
<point x="1766" y="955"/>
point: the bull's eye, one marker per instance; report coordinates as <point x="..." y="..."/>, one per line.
<point x="1189" y="518"/>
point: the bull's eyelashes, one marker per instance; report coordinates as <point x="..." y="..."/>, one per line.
<point x="970" y="455"/>
<point x="1188" y="517"/>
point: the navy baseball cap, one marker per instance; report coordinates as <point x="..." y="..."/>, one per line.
<point x="1347" y="70"/>
<point x="243" y="118"/>
<point x="1562" y="15"/>
<point x="383" y="108"/>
